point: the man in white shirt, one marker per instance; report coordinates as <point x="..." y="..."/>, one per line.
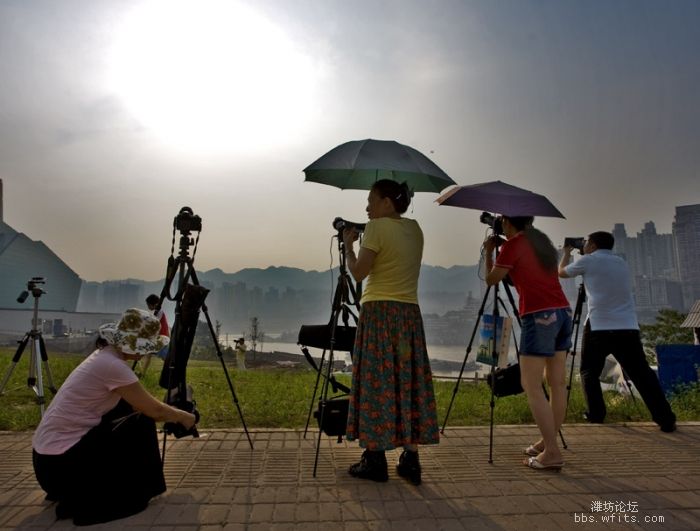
<point x="612" y="328"/>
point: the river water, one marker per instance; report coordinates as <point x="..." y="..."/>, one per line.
<point x="453" y="353"/>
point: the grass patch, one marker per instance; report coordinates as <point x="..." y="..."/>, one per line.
<point x="280" y="397"/>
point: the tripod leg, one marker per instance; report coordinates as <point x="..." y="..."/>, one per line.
<point x="39" y="387"/>
<point x="324" y="399"/>
<point x="313" y="397"/>
<point x="45" y="359"/>
<point x="576" y="323"/>
<point x="193" y="275"/>
<point x="628" y="384"/>
<point x="31" y="377"/>
<point x="228" y="377"/>
<point x="466" y="356"/>
<point x="569" y="385"/>
<point x="13" y="363"/>
<point x="563" y="442"/>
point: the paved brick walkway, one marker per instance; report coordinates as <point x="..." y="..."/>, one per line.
<point x="217" y="483"/>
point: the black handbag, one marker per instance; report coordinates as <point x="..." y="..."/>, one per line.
<point x="335" y="416"/>
<point x="505" y="381"/>
<point x="319" y="336"/>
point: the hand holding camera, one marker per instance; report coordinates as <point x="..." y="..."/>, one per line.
<point x="492" y="242"/>
<point x="572" y="243"/>
<point x="179" y="429"/>
<point x="350" y="235"/>
<point x="188" y="405"/>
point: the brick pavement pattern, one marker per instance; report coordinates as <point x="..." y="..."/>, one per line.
<point x="634" y="475"/>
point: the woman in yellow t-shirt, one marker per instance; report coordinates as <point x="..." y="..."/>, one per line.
<point x="392" y="402"/>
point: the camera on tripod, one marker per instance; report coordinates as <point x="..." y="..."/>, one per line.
<point x="577" y="243"/>
<point x="33" y="286"/>
<point x="189" y="301"/>
<point x="495" y="222"/>
<point x="186" y="221"/>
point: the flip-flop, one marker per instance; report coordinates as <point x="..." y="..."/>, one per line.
<point x="532" y="451"/>
<point x="532" y="462"/>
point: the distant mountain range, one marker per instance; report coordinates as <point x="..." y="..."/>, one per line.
<point x="455" y="279"/>
<point x="440" y="289"/>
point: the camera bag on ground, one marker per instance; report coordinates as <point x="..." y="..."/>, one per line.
<point x="505" y="381"/>
<point x="335" y="416"/>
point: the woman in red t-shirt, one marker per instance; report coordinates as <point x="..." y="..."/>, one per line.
<point x="530" y="259"/>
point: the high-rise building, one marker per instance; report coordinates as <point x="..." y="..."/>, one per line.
<point x="655" y="254"/>
<point x="620" y="235"/>
<point x="686" y="233"/>
<point x="652" y="260"/>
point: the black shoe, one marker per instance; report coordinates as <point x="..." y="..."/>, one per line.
<point x="409" y="467"/>
<point x="372" y="466"/>
<point x="668" y="428"/>
<point x="63" y="511"/>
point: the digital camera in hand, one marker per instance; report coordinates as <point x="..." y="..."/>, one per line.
<point x="576" y="243"/>
<point x="495" y="222"/>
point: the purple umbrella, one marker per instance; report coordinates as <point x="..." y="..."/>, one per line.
<point x="500" y="198"/>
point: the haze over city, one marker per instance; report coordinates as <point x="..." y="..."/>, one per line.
<point x="116" y="114"/>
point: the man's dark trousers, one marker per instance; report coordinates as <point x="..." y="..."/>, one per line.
<point x="626" y="347"/>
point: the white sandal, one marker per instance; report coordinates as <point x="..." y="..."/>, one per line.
<point x="532" y="451"/>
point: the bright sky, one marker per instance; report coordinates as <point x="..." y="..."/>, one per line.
<point x="114" y="114"/>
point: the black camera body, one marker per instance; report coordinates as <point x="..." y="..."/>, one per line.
<point x="33" y="286"/>
<point x="178" y="430"/>
<point x="185" y="403"/>
<point x="495" y="222"/>
<point x="186" y="221"/>
<point x="576" y="243"/>
<point x="340" y="224"/>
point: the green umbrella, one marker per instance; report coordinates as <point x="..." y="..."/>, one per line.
<point x="358" y="164"/>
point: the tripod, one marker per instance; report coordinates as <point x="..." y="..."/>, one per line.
<point x="332" y="338"/>
<point x="576" y="322"/>
<point x="38" y="353"/>
<point x="188" y="300"/>
<point x="494" y="353"/>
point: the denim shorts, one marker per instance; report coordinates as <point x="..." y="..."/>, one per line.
<point x="546" y="332"/>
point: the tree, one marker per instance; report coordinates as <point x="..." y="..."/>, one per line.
<point x="665" y="331"/>
<point x="256" y="333"/>
<point x="203" y="346"/>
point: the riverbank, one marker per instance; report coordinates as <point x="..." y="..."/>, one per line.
<point x="276" y="358"/>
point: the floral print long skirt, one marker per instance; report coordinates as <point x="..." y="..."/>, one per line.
<point x="392" y="402"/>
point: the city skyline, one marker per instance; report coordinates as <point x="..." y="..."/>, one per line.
<point x="112" y="120"/>
<point x="663" y="266"/>
<point x="619" y="231"/>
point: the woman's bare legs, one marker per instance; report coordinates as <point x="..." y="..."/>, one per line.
<point x="531" y="372"/>
<point x="555" y="373"/>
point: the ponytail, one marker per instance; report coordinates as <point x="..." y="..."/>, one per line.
<point x="399" y="194"/>
<point x="544" y="249"/>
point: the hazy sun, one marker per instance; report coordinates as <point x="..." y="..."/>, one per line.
<point x="211" y="76"/>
